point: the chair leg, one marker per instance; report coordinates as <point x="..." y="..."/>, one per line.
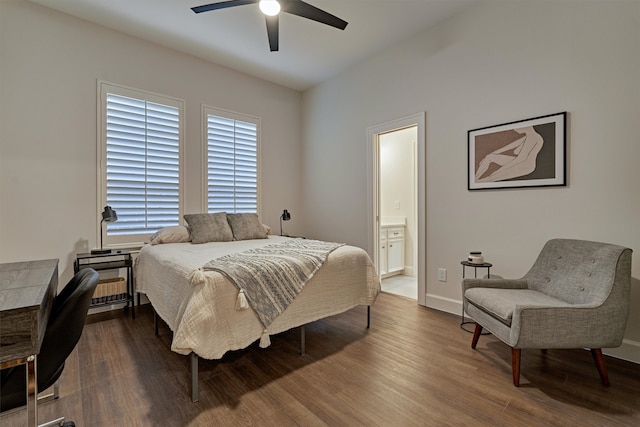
<point x="43" y="398"/>
<point x="515" y="365"/>
<point x="476" y="336"/>
<point x="599" y="359"/>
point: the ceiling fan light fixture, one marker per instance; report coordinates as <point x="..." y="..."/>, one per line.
<point x="269" y="7"/>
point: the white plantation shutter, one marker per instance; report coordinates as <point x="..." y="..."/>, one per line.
<point x="232" y="162"/>
<point x="142" y="140"/>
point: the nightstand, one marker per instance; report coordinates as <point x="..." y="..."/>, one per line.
<point x="113" y="260"/>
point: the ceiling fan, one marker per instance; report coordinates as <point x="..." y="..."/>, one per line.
<point x="271" y="10"/>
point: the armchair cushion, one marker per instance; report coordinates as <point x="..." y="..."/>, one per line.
<point x="501" y="303"/>
<point x="493" y="283"/>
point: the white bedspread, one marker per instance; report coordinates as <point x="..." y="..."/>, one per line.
<point x="202" y="315"/>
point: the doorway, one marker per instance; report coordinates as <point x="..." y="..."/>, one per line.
<point x="396" y="173"/>
<point x="397" y="206"/>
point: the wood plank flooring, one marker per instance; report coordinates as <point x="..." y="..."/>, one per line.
<point x="413" y="367"/>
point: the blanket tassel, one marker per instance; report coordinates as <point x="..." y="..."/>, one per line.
<point x="265" y="341"/>
<point x="241" y="301"/>
<point x="197" y="277"/>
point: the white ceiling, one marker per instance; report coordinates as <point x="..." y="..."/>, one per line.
<point x="236" y="37"/>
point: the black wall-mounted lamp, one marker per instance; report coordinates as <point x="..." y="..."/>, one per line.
<point x="286" y="216"/>
<point x="108" y="215"/>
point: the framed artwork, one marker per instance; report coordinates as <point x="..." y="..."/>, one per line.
<point x="526" y="153"/>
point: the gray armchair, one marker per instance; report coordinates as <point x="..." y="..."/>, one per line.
<point x="576" y="295"/>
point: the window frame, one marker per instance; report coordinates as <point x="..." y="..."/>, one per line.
<point x="228" y="114"/>
<point x="103" y="88"/>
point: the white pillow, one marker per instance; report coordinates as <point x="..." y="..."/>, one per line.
<point x="267" y="229"/>
<point x="174" y="234"/>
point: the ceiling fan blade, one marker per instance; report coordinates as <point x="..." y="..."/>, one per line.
<point x="305" y="10"/>
<point x="222" y="5"/>
<point x="272" y="32"/>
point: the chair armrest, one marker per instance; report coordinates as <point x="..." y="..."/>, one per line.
<point x="494" y="283"/>
<point x="573" y="326"/>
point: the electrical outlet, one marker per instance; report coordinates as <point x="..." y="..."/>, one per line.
<point x="442" y="274"/>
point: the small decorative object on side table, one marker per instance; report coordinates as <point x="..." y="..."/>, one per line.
<point x="113" y="260"/>
<point x="475" y="266"/>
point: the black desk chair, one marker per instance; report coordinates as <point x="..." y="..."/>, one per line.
<point x="66" y="321"/>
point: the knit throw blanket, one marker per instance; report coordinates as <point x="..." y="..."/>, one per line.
<point x="272" y="276"/>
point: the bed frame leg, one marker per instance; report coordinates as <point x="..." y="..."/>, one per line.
<point x="368" y="316"/>
<point x="155" y="323"/>
<point x="194" y="377"/>
<point x="302" y="340"/>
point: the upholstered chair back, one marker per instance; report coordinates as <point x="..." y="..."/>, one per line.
<point x="582" y="272"/>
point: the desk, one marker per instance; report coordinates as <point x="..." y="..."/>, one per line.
<point x="27" y="290"/>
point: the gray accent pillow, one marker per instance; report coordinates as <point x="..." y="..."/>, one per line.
<point x="246" y="226"/>
<point x="209" y="227"/>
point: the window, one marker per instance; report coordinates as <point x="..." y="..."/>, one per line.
<point x="231" y="161"/>
<point x="140" y="146"/>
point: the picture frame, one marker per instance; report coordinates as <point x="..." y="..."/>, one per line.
<point x="524" y="153"/>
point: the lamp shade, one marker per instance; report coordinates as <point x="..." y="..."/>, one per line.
<point x="109" y="215"/>
<point x="286" y="216"/>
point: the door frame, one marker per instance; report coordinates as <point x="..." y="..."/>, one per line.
<point x="373" y="192"/>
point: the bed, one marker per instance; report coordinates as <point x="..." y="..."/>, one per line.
<point x="200" y="306"/>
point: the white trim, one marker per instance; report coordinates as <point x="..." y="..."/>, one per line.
<point x="205" y="111"/>
<point x="629" y="351"/>
<point x="102" y="88"/>
<point x="441" y="303"/>
<point x="373" y="214"/>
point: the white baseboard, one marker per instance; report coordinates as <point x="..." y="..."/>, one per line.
<point x="629" y="350"/>
<point x="447" y="305"/>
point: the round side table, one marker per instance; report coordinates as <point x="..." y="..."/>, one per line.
<point x="475" y="267"/>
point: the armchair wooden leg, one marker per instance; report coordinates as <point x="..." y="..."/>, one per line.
<point x="515" y="365"/>
<point x="599" y="359"/>
<point x="476" y="336"/>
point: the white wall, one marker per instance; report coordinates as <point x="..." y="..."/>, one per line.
<point x="49" y="65"/>
<point x="497" y="62"/>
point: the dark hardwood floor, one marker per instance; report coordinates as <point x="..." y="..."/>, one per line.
<point x="413" y="367"/>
